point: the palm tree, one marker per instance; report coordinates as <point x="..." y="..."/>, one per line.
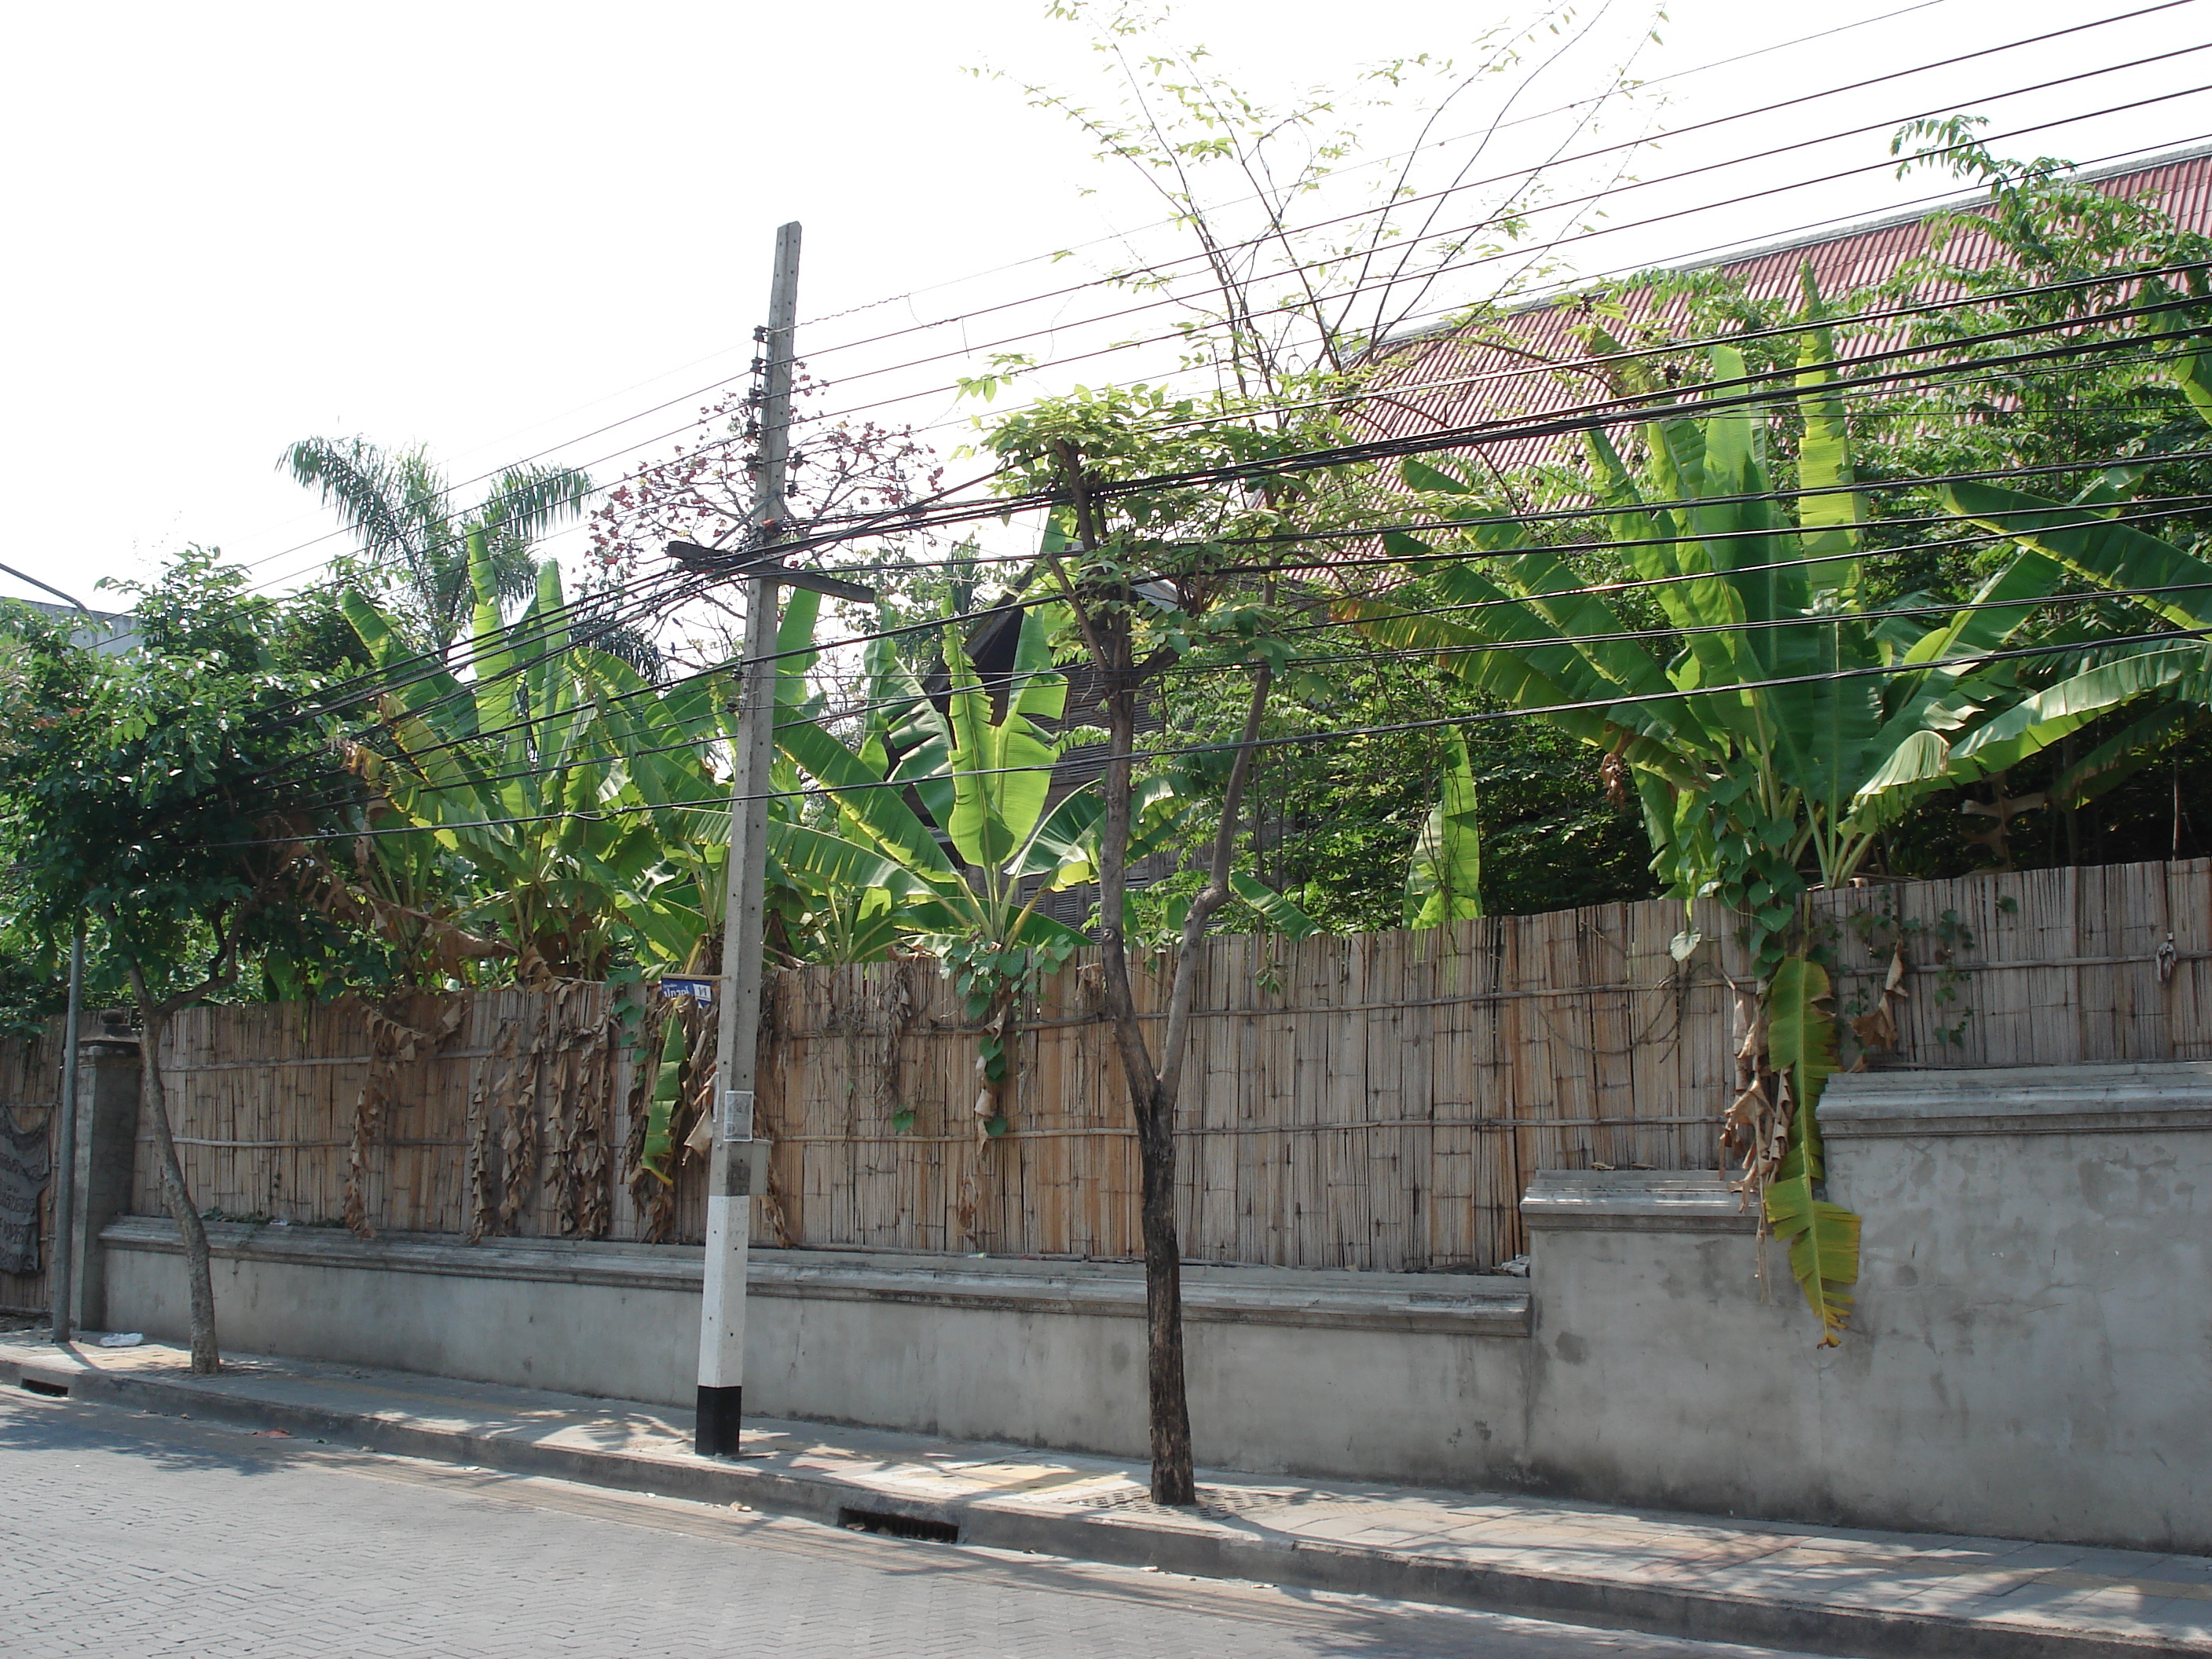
<point x="414" y="534"/>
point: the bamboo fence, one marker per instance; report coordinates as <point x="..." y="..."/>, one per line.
<point x="1376" y="1101"/>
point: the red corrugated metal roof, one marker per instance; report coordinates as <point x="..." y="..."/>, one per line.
<point x="1524" y="364"/>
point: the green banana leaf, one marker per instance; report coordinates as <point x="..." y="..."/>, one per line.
<point x="1444" y="880"/>
<point x="659" y="1152"/>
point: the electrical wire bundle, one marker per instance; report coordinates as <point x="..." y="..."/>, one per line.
<point x="2162" y="312"/>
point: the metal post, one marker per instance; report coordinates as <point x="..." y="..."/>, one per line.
<point x="61" y="1264"/>
<point x="736" y="1166"/>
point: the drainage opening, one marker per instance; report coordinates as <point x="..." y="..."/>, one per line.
<point x="39" y="1385"/>
<point x="898" y="1526"/>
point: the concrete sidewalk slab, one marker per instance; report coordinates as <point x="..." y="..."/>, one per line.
<point x="1816" y="1589"/>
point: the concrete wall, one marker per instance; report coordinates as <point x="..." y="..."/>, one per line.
<point x="2031" y="1353"/>
<point x="1319" y="1372"/>
<point x="2029" y="1357"/>
<point x="106" y="1148"/>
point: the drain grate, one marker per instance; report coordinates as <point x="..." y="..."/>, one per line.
<point x="886" y="1524"/>
<point x="39" y="1385"/>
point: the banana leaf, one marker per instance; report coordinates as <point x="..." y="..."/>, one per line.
<point x="1444" y="881"/>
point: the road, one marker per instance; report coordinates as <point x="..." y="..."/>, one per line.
<point x="126" y="1533"/>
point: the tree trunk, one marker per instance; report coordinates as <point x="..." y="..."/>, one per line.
<point x="1167" y="1403"/>
<point x="1156" y="1088"/>
<point x="199" y="1279"/>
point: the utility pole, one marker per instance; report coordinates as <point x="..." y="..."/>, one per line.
<point x="61" y="1261"/>
<point x="738" y="1165"/>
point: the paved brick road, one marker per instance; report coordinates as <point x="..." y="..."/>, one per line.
<point x="124" y="1534"/>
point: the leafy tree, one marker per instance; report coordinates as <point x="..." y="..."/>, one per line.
<point x="704" y="493"/>
<point x="167" y="792"/>
<point x="1333" y="825"/>
<point x="2040" y="251"/>
<point x="1155" y="574"/>
<point x="1146" y="579"/>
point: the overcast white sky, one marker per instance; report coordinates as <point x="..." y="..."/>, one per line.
<point x="492" y="227"/>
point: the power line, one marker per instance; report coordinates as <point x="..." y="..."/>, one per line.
<point x="1568" y="237"/>
<point x="1405" y="653"/>
<point x="1706" y="404"/>
<point x="2093" y="517"/>
<point x="1491" y="219"/>
<point x="1970" y="301"/>
<point x="718" y="802"/>
<point x="1597" y="414"/>
<point x="1119" y="236"/>
<point x="1578" y="514"/>
<point x="2166" y="5"/>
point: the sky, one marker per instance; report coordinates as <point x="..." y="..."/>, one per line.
<point x="506" y="231"/>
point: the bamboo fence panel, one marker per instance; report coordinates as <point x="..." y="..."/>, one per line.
<point x="30" y="1090"/>
<point x="1378" y="1102"/>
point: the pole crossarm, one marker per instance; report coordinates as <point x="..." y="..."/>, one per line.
<point x="693" y="557"/>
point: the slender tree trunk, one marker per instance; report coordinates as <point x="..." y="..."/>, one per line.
<point x="1168" y="1405"/>
<point x="199" y="1277"/>
<point x="1155" y="1089"/>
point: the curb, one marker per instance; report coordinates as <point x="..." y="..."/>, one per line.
<point x="1142" y="1540"/>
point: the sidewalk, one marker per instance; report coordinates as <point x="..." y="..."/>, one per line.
<point x="1813" y="1589"/>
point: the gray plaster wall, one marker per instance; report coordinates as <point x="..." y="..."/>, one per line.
<point x="2038" y="1291"/>
<point x="2031" y="1354"/>
<point x="2030" y="1349"/>
<point x="107" y="1147"/>
<point x="1317" y="1373"/>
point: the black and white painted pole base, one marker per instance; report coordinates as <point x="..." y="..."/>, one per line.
<point x="722" y="1325"/>
<point x="743" y="1171"/>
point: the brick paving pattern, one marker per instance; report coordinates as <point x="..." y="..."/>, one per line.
<point x="126" y="1535"/>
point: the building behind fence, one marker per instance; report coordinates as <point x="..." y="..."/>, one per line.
<point x="1376" y="1101"/>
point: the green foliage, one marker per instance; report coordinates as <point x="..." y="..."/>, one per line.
<point x="1823" y="1240"/>
<point x="658" y="1152"/>
<point x="1801" y="1041"/>
<point x="1849" y="713"/>
<point x="1444" y="881"/>
<point x="162" y="791"/>
<point x="988" y="842"/>
<point x="570" y="788"/>
<point x="417" y="541"/>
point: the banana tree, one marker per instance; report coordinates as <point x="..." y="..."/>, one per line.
<point x="2169" y="681"/>
<point x="2165" y="683"/>
<point x="516" y="771"/>
<point x="1779" y="726"/>
<point x="942" y="828"/>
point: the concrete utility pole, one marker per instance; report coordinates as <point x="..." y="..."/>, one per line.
<point x="737" y="1166"/>
<point x="733" y="1160"/>
<point x="61" y="1261"/>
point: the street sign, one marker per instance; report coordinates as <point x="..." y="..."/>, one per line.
<point x="700" y="989"/>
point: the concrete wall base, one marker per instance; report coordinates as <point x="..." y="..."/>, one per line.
<point x="1313" y="1373"/>
<point x="2028" y="1358"/>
